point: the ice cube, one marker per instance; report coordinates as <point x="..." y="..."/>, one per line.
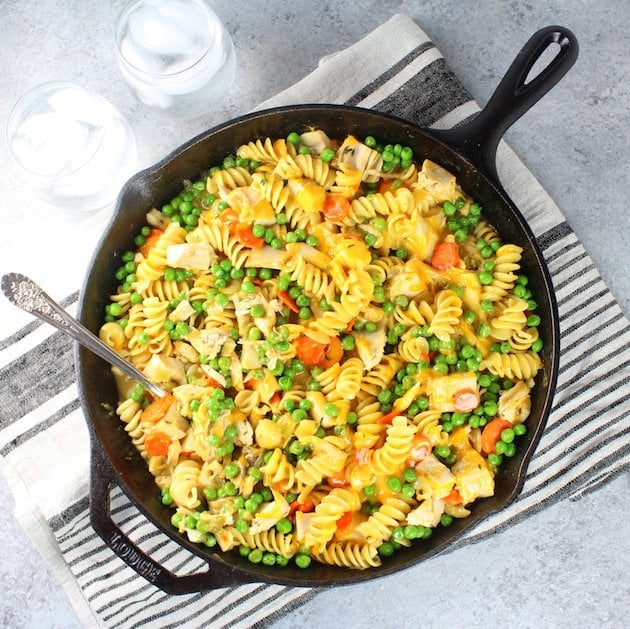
<point x="50" y="144"/>
<point x="172" y="29"/>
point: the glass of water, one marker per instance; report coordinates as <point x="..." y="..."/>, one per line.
<point x="73" y="147"/>
<point x="176" y="55"/>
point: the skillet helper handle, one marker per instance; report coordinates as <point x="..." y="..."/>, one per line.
<point x="479" y="139"/>
<point x="102" y="478"/>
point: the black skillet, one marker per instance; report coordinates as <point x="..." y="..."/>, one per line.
<point x="470" y="153"/>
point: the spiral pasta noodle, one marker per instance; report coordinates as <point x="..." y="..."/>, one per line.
<point x="350" y="555"/>
<point x="327" y="512"/>
<point x="505" y="266"/>
<point x="448" y="310"/>
<point x="521" y="365"/>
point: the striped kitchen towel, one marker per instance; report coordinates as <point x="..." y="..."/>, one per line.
<point x="586" y="442"/>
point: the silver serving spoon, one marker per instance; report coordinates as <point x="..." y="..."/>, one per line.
<point x="27" y="295"/>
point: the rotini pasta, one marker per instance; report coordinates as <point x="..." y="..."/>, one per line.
<point x="335" y="331"/>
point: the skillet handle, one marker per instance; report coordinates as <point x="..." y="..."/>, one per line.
<point x="479" y="139"/>
<point x="102" y="479"/>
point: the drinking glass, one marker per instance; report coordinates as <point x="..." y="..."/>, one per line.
<point x="72" y="146"/>
<point x="175" y="55"/>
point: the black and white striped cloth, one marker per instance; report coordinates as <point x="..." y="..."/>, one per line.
<point x="586" y="442"/>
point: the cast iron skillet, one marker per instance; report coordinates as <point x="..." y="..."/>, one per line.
<point x="469" y="152"/>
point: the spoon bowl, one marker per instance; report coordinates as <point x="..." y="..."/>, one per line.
<point x="24" y="293"/>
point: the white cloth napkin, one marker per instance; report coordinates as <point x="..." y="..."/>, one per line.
<point x="585" y="444"/>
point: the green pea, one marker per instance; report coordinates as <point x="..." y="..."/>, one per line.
<point x="258" y="230"/>
<point x="485" y="278"/>
<point x="242" y="526"/>
<point x="327" y="155"/>
<point x="510" y="449"/>
<point x="379" y="223"/>
<point x="348" y="342"/>
<point x="176" y="519"/>
<point x="302" y="561"/>
<point x="257" y="311"/>
<point x="370" y="491"/>
<point x="533" y="321"/>
<point x="210" y="540"/>
<point x="409" y="475"/>
<point x="508" y="435"/>
<point x="446" y="519"/>
<point x="255" y="555"/>
<point x="520" y="429"/>
<point x="305" y="313"/>
<point x="490" y="408"/>
<point x="269" y="559"/>
<point x="284" y="526"/>
<point x="285" y="383"/>
<point x="449" y="208"/>
<point x="281" y="561"/>
<point x="294" y="138"/>
<point x="386" y="549"/>
<point x="331" y="410"/>
<point x="495" y="459"/>
<point x="537" y="345"/>
<point x="304" y="301"/>
<point x="500" y="446"/>
<point x="394" y="483"/>
<point x="370" y="239"/>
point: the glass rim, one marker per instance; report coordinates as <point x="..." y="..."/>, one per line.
<point x="119" y="26"/>
<point x="29" y="97"/>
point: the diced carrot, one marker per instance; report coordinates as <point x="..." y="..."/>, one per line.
<point x="387" y="418"/>
<point x="420" y="449"/>
<point x="288" y="301"/>
<point x="310" y="352"/>
<point x="244" y="233"/>
<point x="333" y="353"/>
<point x="150" y="241"/>
<point x="157" y="409"/>
<point x="336" y="207"/>
<point x="344" y="521"/>
<point x="466" y="400"/>
<point x="275" y="398"/>
<point x="454" y="498"/>
<point x="157" y="444"/>
<point x="445" y="256"/>
<point x="305" y="507"/>
<point x="492" y="433"/>
<point x="349" y="326"/>
<point x="338" y="479"/>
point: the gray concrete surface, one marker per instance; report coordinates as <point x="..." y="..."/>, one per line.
<point x="567" y="566"/>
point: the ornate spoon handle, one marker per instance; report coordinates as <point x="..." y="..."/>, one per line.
<point x="27" y="295"/>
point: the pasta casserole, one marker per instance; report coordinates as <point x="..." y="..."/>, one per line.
<point x="348" y="345"/>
